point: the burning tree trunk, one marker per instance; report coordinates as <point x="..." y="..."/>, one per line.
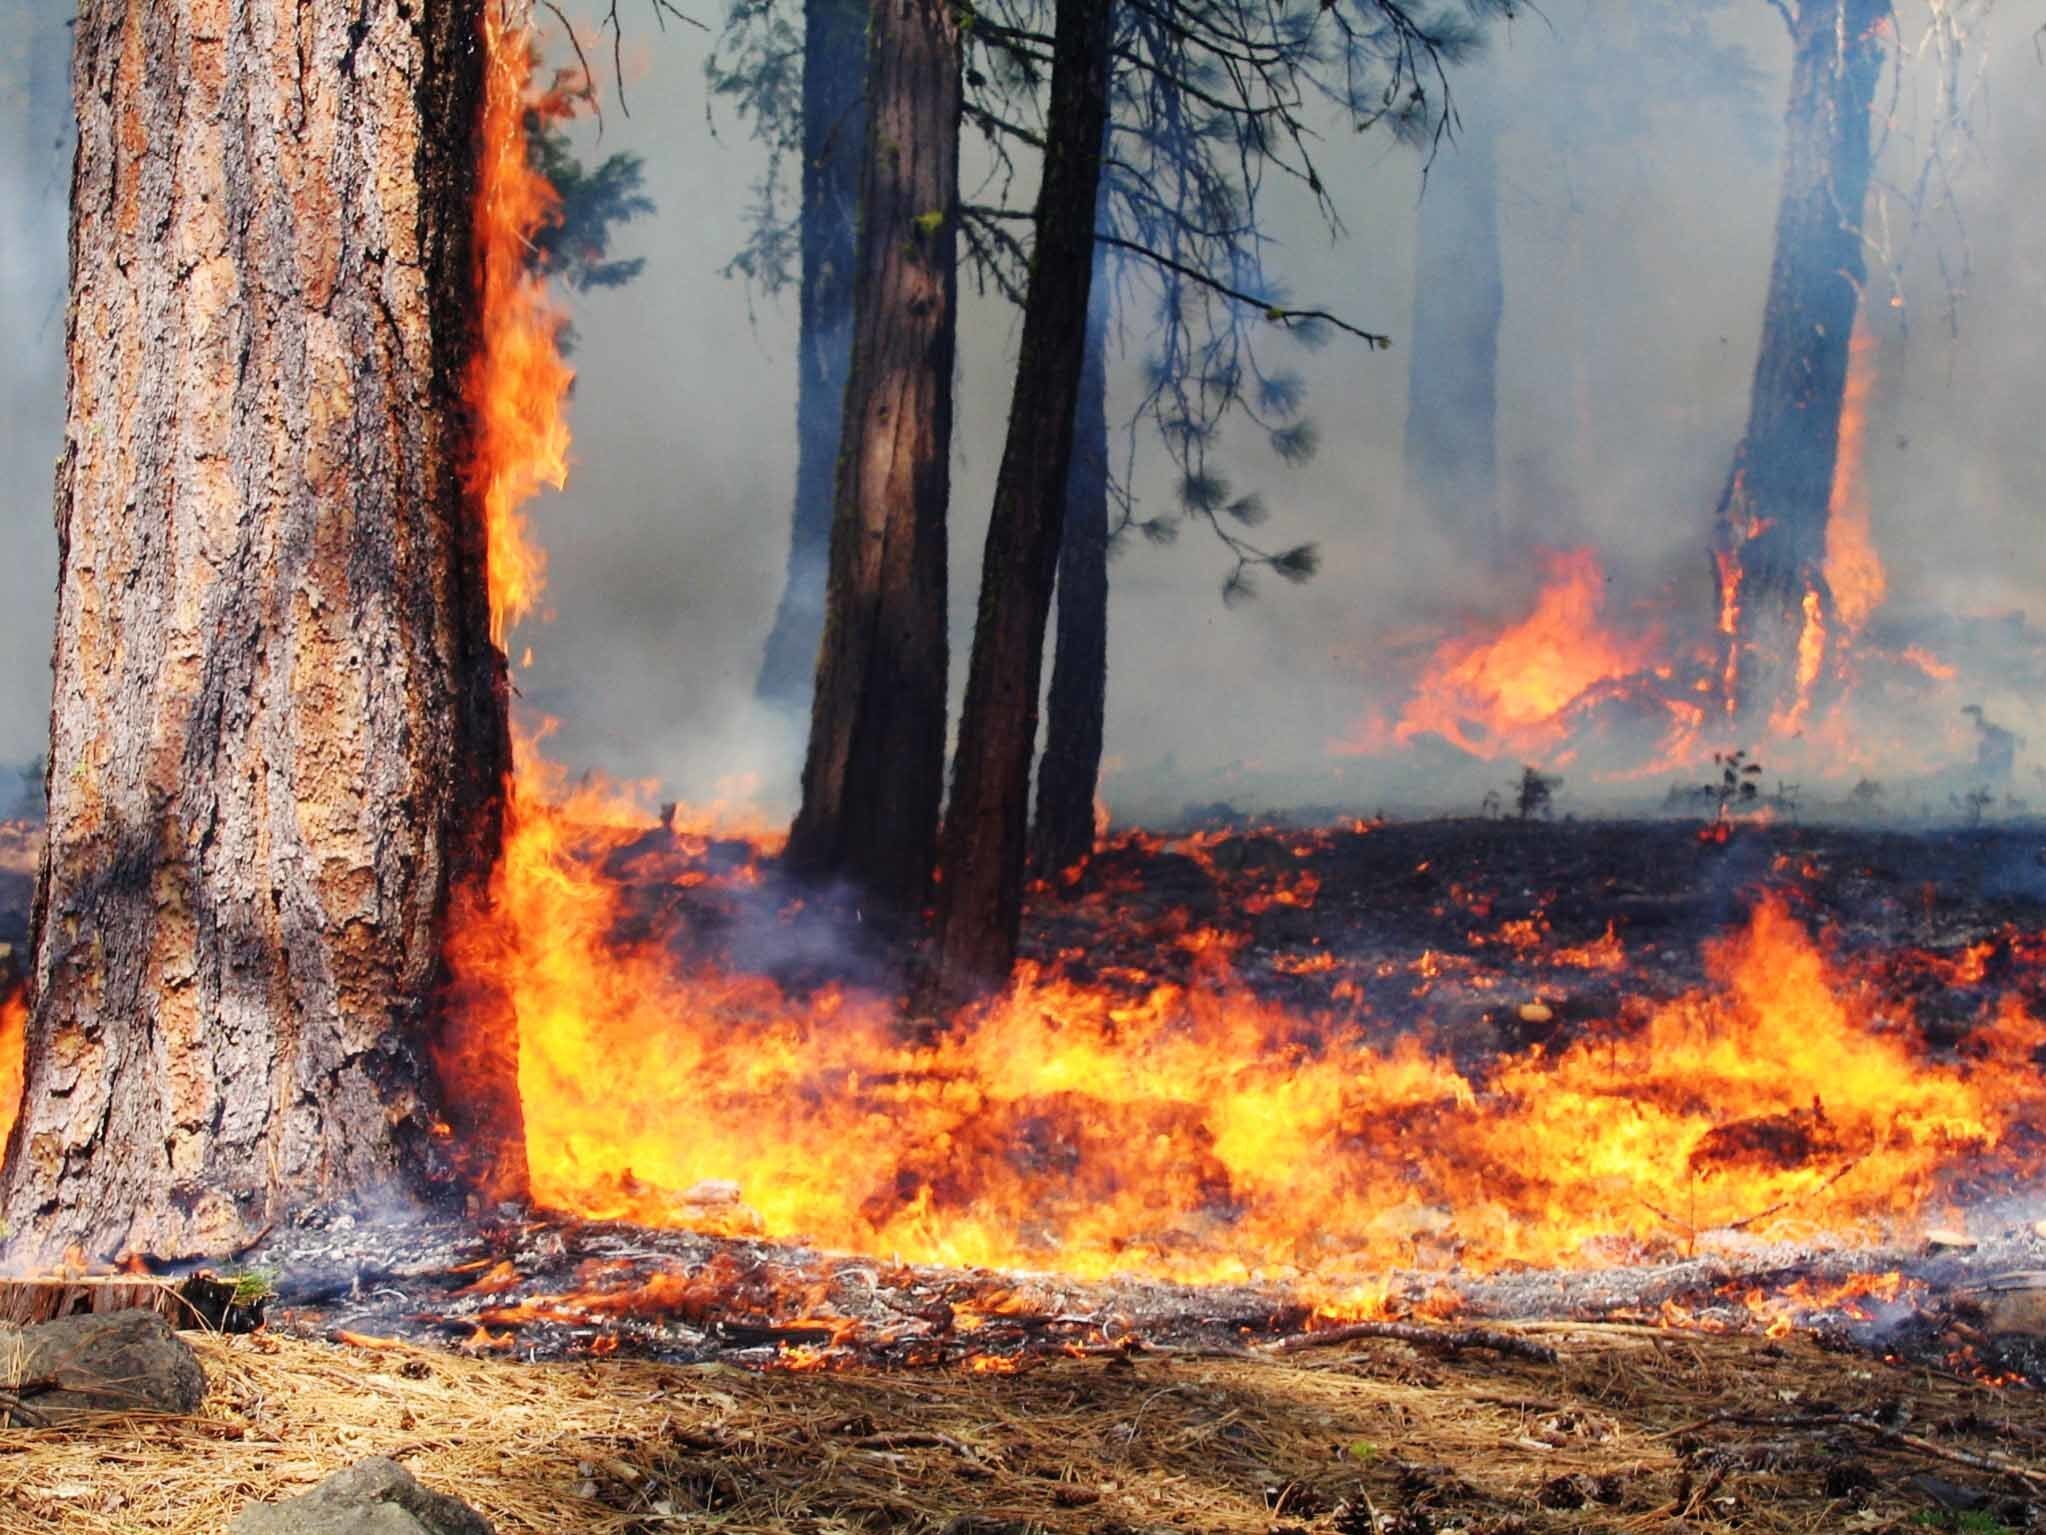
<point x="834" y="126"/>
<point x="1771" y="535"/>
<point x="981" y="900"/>
<point x="1070" y="772"/>
<point x="876" y="762"/>
<point x="278" y="726"/>
<point x="1451" y="447"/>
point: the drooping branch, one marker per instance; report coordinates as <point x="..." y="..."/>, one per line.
<point x="1278" y="314"/>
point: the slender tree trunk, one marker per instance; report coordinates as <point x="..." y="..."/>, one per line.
<point x="277" y="730"/>
<point x="980" y="902"/>
<point x="1771" y="524"/>
<point x="1451" y="448"/>
<point x="875" y="769"/>
<point x="1069" y="775"/>
<point x="834" y="130"/>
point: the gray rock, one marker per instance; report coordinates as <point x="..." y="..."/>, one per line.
<point x="119" y="1362"/>
<point x="375" y="1497"/>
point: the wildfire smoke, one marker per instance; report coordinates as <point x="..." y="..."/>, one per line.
<point x="1190" y="1130"/>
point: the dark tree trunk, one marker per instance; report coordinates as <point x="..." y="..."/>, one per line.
<point x="875" y="769"/>
<point x="1069" y="775"/>
<point x="980" y="902"/>
<point x="834" y="129"/>
<point x="1771" y="525"/>
<point x="1451" y="447"/>
<point x="277" y="730"/>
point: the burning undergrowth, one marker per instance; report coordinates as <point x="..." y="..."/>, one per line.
<point x="1475" y="1068"/>
<point x="1247" y="1058"/>
<point x="1293" y="1065"/>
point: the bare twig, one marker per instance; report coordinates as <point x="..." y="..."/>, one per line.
<point x="1278" y="314"/>
<point x="589" y="90"/>
<point x="1451" y="1338"/>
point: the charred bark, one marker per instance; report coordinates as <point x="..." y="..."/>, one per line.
<point x="980" y="901"/>
<point x="1771" y="522"/>
<point x="277" y="728"/>
<point x="1451" y="445"/>
<point x="1069" y="774"/>
<point x="834" y="128"/>
<point x="874" y="771"/>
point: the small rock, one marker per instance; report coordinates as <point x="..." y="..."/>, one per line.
<point x="2039" y="1230"/>
<point x="375" y="1497"/>
<point x="119" y="1362"/>
<point x="1536" y="1012"/>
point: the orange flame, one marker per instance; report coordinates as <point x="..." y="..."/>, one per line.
<point x="1811" y="661"/>
<point x="13" y="1042"/>
<point x="1195" y="1131"/>
<point x="1854" y="571"/>
<point x="1510" y="693"/>
<point x="1201" y="1133"/>
<point x="517" y="381"/>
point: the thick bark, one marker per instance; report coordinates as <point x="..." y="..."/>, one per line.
<point x="1069" y="774"/>
<point x="875" y="767"/>
<point x="277" y="728"/>
<point x="1771" y="525"/>
<point x="980" y="901"/>
<point x="834" y="128"/>
<point x="1451" y="446"/>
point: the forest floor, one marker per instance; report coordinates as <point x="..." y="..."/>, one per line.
<point x="1630" y="1429"/>
<point x="1452" y="928"/>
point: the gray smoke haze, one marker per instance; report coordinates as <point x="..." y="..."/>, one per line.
<point x="35" y="167"/>
<point x="1636" y="246"/>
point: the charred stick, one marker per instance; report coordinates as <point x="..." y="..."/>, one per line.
<point x="1452" y="1338"/>
<point x="914" y="1439"/>
<point x="1137" y="1348"/>
<point x="1966" y="1458"/>
<point x="1882" y="1431"/>
<point x="745" y="1333"/>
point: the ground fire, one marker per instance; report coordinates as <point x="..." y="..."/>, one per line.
<point x="1655" y="1138"/>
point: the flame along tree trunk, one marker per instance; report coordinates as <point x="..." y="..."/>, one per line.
<point x="874" y="771"/>
<point x="278" y="723"/>
<point x="1069" y="773"/>
<point x="1769" y="559"/>
<point x="834" y="128"/>
<point x="980" y="901"/>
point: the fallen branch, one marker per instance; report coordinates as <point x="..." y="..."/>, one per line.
<point x="1452" y="1338"/>
<point x="14" y="1410"/>
<point x="1882" y="1431"/>
<point x="1967" y="1458"/>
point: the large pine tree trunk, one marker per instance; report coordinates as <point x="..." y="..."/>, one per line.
<point x="1069" y="774"/>
<point x="834" y="129"/>
<point x="980" y="902"/>
<point x="1451" y="447"/>
<point x="277" y="729"/>
<point x="1771" y="525"/>
<point x="874" y="772"/>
